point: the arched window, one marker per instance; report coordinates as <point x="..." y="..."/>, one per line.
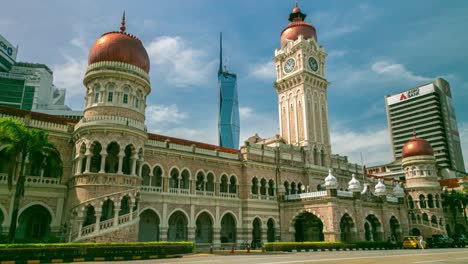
<point x="430" y="201"/>
<point x="125" y="205"/>
<point x="223" y="186"/>
<point x="300" y="188"/>
<point x="185" y="181"/>
<point x="286" y="187"/>
<point x="110" y="93"/>
<point x="425" y="218"/>
<point x="233" y="185"/>
<point x="145" y="171"/>
<point x="125" y="96"/>
<point x="96" y="158"/>
<point x="293" y="188"/>
<point x="97" y="91"/>
<point x="174" y="181"/>
<point x="210" y="186"/>
<point x="112" y="159"/>
<point x="255" y="185"/>
<point x="263" y="187"/>
<point x="437" y="201"/>
<point x="157" y="177"/>
<point x="315" y="156"/>
<point x="271" y="188"/>
<point x="107" y="210"/>
<point x="422" y="201"/>
<point x="410" y="202"/>
<point x="200" y="181"/>
<point x="322" y="157"/>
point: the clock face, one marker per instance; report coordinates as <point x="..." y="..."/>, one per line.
<point x="289" y="65"/>
<point x="313" y="64"/>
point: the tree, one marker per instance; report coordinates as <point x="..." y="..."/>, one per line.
<point x="26" y="144"/>
<point x="454" y="201"/>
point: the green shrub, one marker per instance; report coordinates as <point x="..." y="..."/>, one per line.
<point x="43" y="251"/>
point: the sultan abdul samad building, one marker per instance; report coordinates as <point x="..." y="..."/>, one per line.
<point x="122" y="183"/>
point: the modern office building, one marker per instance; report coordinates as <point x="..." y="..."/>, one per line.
<point x="429" y="110"/>
<point x="229" y="124"/>
<point x="29" y="86"/>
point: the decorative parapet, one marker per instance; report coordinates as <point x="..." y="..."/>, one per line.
<point x="308" y="195"/>
<point x="112" y="120"/>
<point x="38" y="123"/>
<point x="105" y="179"/>
<point x="115" y="65"/>
<point x="192" y="149"/>
<point x="392" y="199"/>
<point x="345" y="194"/>
<point x="34" y="180"/>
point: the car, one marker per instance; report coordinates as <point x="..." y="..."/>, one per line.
<point x="459" y="240"/>
<point x="412" y="242"/>
<point x="440" y="240"/>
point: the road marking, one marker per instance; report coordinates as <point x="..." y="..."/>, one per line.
<point x="429" y="261"/>
<point x="461" y="258"/>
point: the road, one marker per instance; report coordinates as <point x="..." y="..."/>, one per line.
<point x="415" y="256"/>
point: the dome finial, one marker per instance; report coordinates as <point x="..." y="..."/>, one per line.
<point x="122" y="25"/>
<point x="296" y="3"/>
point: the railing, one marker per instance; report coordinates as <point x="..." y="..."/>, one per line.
<point x="105" y="179"/>
<point x="156" y="189"/>
<point x="228" y="195"/>
<point x="106" y="224"/>
<point x="110" y="120"/>
<point x="306" y="195"/>
<point x="345" y="194"/>
<point x="392" y="199"/>
<point x="86" y="230"/>
<point x="33" y="180"/>
<point x="124" y="218"/>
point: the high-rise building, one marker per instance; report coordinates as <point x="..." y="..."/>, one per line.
<point x="229" y="124"/>
<point x="29" y="86"/>
<point x="429" y="110"/>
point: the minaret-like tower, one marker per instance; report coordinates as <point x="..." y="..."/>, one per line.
<point x="229" y="124"/>
<point x="302" y="89"/>
<point x="426" y="216"/>
<point x="109" y="141"/>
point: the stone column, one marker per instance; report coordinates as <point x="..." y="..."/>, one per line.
<point x="98" y="221"/>
<point x="80" y="226"/>
<point x="88" y="161"/>
<point x="191" y="233"/>
<point x="121" y="156"/>
<point x="103" y="162"/>
<point x="116" y="214"/>
<point x="216" y="236"/>
<point x="134" y="160"/>
<point x="79" y="164"/>
<point x="163" y="233"/>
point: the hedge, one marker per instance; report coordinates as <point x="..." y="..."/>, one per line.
<point x="91" y="250"/>
<point x="290" y="246"/>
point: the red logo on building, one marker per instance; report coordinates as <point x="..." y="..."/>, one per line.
<point x="402" y="97"/>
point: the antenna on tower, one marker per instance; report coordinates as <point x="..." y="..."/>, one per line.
<point x="220" y="52"/>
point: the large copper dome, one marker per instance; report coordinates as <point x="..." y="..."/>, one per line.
<point x="120" y="46"/>
<point x="297" y="27"/>
<point x="416" y="147"/>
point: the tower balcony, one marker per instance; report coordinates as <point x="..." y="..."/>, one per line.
<point x="110" y="120"/>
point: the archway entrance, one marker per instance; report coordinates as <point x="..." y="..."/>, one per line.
<point x="395" y="228"/>
<point x="148" y="227"/>
<point x="308" y="228"/>
<point x="177" y="227"/>
<point x="347" y="228"/>
<point x="204" y="229"/>
<point x="256" y="233"/>
<point x="372" y="229"/>
<point x="228" y="229"/>
<point x="415" y="232"/>
<point x="34" y="223"/>
<point x="271" y="230"/>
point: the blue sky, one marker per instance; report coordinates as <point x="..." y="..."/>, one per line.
<point x="374" y="48"/>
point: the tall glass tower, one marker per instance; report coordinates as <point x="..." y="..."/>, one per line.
<point x="228" y="125"/>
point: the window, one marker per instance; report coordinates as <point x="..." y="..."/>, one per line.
<point x="110" y="96"/>
<point x="125" y="98"/>
<point x="96" y="96"/>
<point x="137" y="103"/>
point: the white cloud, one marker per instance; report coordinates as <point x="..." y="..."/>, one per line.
<point x="245" y="112"/>
<point x="373" y="144"/>
<point x="263" y="71"/>
<point x="395" y="70"/>
<point x="178" y="63"/>
<point x="157" y="114"/>
<point x="336" y="54"/>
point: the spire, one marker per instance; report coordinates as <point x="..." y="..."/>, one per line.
<point x="220" y="52"/>
<point x="296" y="14"/>
<point x="122" y="25"/>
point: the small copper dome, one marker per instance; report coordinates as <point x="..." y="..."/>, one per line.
<point x="416" y="147"/>
<point x="120" y="46"/>
<point x="297" y="27"/>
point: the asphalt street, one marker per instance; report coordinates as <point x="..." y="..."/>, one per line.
<point x="416" y="256"/>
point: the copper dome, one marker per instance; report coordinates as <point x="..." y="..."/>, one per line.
<point x="120" y="46"/>
<point x="297" y="27"/>
<point x="416" y="147"/>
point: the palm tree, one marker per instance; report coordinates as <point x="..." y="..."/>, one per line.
<point x="454" y="201"/>
<point x="27" y="145"/>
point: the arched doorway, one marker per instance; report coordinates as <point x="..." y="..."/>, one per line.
<point x="373" y="229"/>
<point x="177" y="227"/>
<point x="256" y="233"/>
<point x="148" y="227"/>
<point x="204" y="229"/>
<point x="271" y="230"/>
<point x="308" y="227"/>
<point x="395" y="228"/>
<point x="415" y="232"/>
<point x="228" y="229"/>
<point x="34" y="223"/>
<point x="347" y="228"/>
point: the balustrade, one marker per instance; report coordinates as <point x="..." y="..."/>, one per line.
<point x="299" y="196"/>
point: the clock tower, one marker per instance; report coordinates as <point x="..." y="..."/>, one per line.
<point x="302" y="89"/>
